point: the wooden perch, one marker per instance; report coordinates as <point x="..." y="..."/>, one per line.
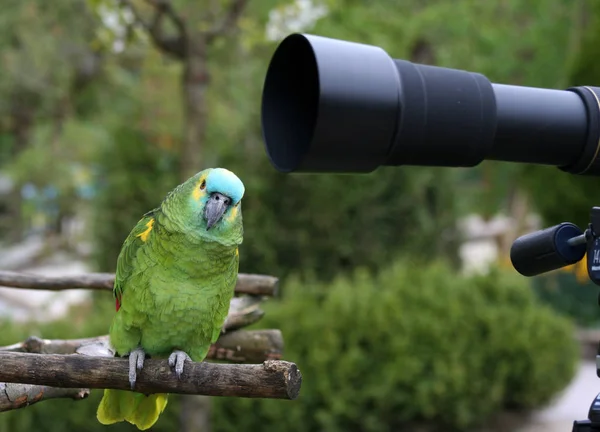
<point x="273" y="379"/>
<point x="253" y="284"/>
<point x="243" y="311"/>
<point x="238" y="347"/>
<point x="14" y="396"/>
<point x="248" y="346"/>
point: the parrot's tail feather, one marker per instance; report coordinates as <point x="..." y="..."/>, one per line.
<point x="138" y="409"/>
<point x="115" y="406"/>
<point x="148" y="410"/>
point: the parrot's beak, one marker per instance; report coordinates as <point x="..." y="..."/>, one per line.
<point x="215" y="208"/>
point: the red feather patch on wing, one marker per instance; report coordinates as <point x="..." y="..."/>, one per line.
<point x="118" y="303"/>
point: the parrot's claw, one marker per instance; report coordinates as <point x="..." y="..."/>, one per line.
<point x="177" y="359"/>
<point x="136" y="363"/>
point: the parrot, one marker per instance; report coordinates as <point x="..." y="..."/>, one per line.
<point x="174" y="280"/>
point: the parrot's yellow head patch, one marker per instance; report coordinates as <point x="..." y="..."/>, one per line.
<point x="200" y="187"/>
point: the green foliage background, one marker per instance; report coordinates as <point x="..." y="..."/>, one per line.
<point x="375" y="359"/>
<point x="382" y="353"/>
<point x="383" y="339"/>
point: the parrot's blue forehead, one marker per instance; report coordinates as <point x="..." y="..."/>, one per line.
<point x="224" y="181"/>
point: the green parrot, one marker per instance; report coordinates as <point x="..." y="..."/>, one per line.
<point x="175" y="278"/>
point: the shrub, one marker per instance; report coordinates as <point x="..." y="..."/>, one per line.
<point x="416" y="344"/>
<point x="575" y="297"/>
<point x="293" y="223"/>
<point x="134" y="176"/>
<point x="412" y="345"/>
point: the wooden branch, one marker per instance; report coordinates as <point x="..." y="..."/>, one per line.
<point x="238" y="321"/>
<point x="136" y="14"/>
<point x="257" y="284"/>
<point x="237" y="347"/>
<point x="243" y="311"/>
<point x="166" y="8"/>
<point x="174" y="45"/>
<point x="246" y="284"/>
<point x="248" y="346"/>
<point x="229" y="21"/>
<point x="272" y="379"/>
<point x="102" y="281"/>
<point x="15" y="396"/>
<point x="36" y="345"/>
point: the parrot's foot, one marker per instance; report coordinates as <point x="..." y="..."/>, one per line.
<point x="136" y="363"/>
<point x="177" y="359"/>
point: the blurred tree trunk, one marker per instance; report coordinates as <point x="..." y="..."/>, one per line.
<point x="59" y="116"/>
<point x="191" y="48"/>
<point x="195" y="414"/>
<point x="195" y="410"/>
<point x="22" y="116"/>
<point x="195" y="83"/>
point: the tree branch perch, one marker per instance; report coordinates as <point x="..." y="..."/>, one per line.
<point x="15" y="396"/>
<point x="243" y="311"/>
<point x="253" y="284"/>
<point x="239" y="346"/>
<point x="273" y="379"/>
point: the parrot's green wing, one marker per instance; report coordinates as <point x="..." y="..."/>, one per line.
<point x="126" y="263"/>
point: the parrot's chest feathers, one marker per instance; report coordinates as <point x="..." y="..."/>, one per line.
<point x="192" y="286"/>
<point x="194" y="295"/>
<point x="179" y="296"/>
<point x="188" y="315"/>
<point x="189" y="296"/>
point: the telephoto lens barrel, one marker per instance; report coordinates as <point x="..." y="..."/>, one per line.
<point x="336" y="106"/>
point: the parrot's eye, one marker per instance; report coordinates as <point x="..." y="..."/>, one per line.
<point x="203" y="185"/>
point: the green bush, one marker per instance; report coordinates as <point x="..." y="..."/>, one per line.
<point x="410" y="346"/>
<point x="414" y="344"/>
<point x="292" y="223"/>
<point x="576" y="299"/>
<point x="134" y="176"/>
